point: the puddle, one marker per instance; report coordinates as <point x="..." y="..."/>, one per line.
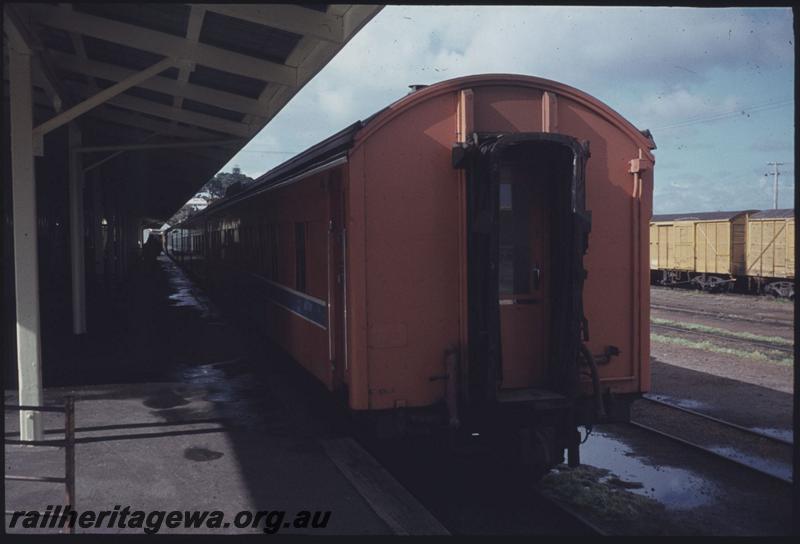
<point x="675" y="488"/>
<point x="186" y="298"/>
<point x="780" y="470"/>
<point x="165" y="399"/>
<point x="201" y="454"/>
<point x="219" y="385"/>
<point x="783" y="434"/>
<point x="185" y="295"/>
<point x="203" y="375"/>
<point x="683" y="403"/>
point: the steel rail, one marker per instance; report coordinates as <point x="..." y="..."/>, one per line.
<point x="736" y="426"/>
<point x="709" y="451"/>
<point x="722" y="315"/>
<point x="758" y="343"/>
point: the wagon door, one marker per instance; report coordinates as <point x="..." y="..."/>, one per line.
<point x="664" y="253"/>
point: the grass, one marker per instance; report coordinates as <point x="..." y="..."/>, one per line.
<point x="705" y="328"/>
<point x="766" y="355"/>
<point x="605" y="500"/>
<point x="582" y="488"/>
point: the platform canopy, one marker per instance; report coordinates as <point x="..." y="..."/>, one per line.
<point x="118" y="113"/>
<point x="184" y="86"/>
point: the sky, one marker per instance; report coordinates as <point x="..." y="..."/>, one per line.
<point x="715" y="86"/>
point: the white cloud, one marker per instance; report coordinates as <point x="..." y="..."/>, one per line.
<point x="665" y="55"/>
<point x="681" y="105"/>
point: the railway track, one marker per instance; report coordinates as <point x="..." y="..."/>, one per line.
<point x="726" y="337"/>
<point x="574" y="517"/>
<point x="708" y="450"/>
<point x="723" y="315"/>
<point x="741" y="428"/>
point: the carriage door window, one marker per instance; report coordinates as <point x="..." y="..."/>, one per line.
<point x="300" y="256"/>
<point x="506" y="272"/>
<point x="515" y="252"/>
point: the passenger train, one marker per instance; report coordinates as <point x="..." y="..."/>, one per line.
<point x="473" y="256"/>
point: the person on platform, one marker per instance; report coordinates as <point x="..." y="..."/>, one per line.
<point x="152" y="248"/>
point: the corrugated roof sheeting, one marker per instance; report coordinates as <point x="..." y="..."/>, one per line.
<point x="698" y="216"/>
<point x="247" y="38"/>
<point x="225" y="81"/>
<point x="786" y="213"/>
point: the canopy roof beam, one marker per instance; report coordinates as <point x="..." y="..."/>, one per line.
<point x="163" y="44"/>
<point x="169" y="113"/>
<point x="160" y="84"/>
<point x="131" y="119"/>
<point x="163" y="145"/>
<point x="196" y="16"/>
<point x="113" y="155"/>
<point x="101" y="97"/>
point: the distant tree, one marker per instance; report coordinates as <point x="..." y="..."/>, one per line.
<point x="217" y="187"/>
<point x="233" y="188"/>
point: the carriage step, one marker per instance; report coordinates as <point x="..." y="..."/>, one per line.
<point x="540" y="397"/>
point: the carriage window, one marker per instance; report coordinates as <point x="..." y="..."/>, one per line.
<point x="272" y="252"/>
<point x="300" y="256"/>
<point x="505" y="196"/>
<point x="514" y="258"/>
<point x="506" y="268"/>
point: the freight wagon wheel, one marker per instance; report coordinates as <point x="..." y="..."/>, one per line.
<point x="712" y="284"/>
<point x="780" y="289"/>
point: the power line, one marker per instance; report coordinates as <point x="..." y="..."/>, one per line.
<point x="730" y="114"/>
<point x="736" y="109"/>
<point x="719" y="117"/>
<point x="270" y="151"/>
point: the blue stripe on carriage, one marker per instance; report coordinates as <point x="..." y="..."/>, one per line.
<point x="313" y="310"/>
<point x="310" y="309"/>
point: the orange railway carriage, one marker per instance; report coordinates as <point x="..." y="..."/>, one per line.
<point x="476" y="252"/>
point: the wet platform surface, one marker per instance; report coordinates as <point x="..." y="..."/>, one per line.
<point x="177" y="408"/>
<point x="182" y="413"/>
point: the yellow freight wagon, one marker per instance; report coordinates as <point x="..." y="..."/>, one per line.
<point x="770" y="252"/>
<point x="705" y="249"/>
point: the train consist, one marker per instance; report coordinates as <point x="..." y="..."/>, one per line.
<point x="433" y="265"/>
<point x="749" y="251"/>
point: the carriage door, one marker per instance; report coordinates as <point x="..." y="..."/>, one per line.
<point x="527" y="233"/>
<point x="524" y="275"/>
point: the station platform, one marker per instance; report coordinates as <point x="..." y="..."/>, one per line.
<point x="176" y="409"/>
